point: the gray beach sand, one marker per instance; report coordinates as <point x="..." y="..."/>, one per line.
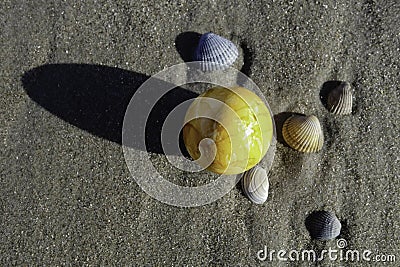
<point x="67" y="196"/>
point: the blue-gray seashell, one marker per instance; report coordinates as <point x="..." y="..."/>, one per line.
<point x="323" y="225"/>
<point x="215" y="52"/>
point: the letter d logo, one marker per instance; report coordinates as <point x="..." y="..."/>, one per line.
<point x="262" y="254"/>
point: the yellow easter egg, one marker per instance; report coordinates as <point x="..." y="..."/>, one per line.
<point x="228" y="130"/>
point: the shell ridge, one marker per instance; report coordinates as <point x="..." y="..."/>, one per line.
<point x="224" y="53"/>
<point x="340" y="99"/>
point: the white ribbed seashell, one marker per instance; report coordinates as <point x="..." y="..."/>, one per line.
<point x="255" y="184"/>
<point x="323" y="225"/>
<point x="215" y="52"/>
<point x="340" y="99"/>
<point x="303" y="133"/>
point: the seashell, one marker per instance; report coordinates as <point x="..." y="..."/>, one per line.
<point x="234" y="120"/>
<point x="323" y="225"/>
<point x="215" y="52"/>
<point x="303" y="133"/>
<point x="340" y="99"/>
<point x="255" y="184"/>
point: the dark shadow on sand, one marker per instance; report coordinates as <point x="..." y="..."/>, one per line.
<point x="345" y="231"/>
<point x="186" y="44"/>
<point x="326" y="88"/>
<point x="248" y="57"/>
<point x="94" y="98"/>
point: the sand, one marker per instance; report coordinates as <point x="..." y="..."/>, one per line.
<point x="67" y="196"/>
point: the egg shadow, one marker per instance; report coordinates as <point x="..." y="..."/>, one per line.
<point x="239" y="185"/>
<point x="248" y="58"/>
<point x="326" y="88"/>
<point x="186" y="44"/>
<point x="94" y="98"/>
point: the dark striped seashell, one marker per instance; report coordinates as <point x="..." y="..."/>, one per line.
<point x="323" y="225"/>
<point x="340" y="99"/>
<point x="215" y="52"/>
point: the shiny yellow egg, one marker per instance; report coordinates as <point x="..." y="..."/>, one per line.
<point x="228" y="130"/>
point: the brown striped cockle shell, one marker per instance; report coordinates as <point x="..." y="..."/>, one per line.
<point x="340" y="99"/>
<point x="303" y="133"/>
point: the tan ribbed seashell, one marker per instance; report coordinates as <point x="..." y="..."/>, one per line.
<point x="255" y="184"/>
<point x="340" y="99"/>
<point x="303" y="133"/>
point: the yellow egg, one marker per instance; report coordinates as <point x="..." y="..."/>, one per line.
<point x="228" y="130"/>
